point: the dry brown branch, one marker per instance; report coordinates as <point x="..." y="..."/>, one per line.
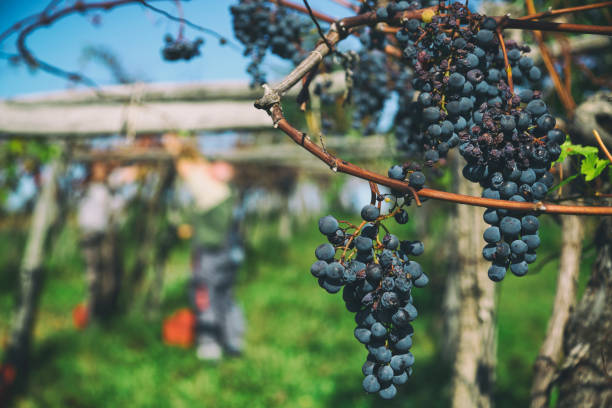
<point x="602" y="145"/>
<point x="506" y="63"/>
<point x="569" y="10"/>
<point x="564" y="94"/>
<point x="512" y="23"/>
<point x="343" y="166"/>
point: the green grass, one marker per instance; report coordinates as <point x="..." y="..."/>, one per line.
<point x="300" y="348"/>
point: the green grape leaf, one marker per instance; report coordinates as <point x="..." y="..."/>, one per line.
<point x="570" y="149"/>
<point x="592" y="166"/>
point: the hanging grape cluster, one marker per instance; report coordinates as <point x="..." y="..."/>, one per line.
<point x="377" y="273"/>
<point x="373" y="75"/>
<point x="264" y="27"/>
<point x="508" y="139"/>
<point x="370" y="87"/>
<point x="181" y="48"/>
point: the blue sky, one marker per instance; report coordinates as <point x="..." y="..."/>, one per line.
<point x="135" y="35"/>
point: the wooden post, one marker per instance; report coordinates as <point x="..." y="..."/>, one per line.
<point x="30" y="277"/>
<point x="475" y="359"/>
<point x="545" y="367"/>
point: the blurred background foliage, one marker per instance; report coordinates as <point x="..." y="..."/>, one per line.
<point x="300" y="348"/>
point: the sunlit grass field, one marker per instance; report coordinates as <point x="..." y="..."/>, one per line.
<point x="300" y="347"/>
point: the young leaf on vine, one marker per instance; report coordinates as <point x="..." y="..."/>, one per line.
<point x="591" y="165"/>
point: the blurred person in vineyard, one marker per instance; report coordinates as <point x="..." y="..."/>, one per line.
<point x="211" y="218"/>
<point x="97" y="223"/>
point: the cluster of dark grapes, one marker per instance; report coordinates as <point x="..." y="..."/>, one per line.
<point x="180" y="48"/>
<point x="263" y="27"/>
<point x="373" y="74"/>
<point x="406" y="117"/>
<point x="393" y="6"/>
<point x="377" y="276"/>
<point x="508" y="139"/>
<point x="370" y="89"/>
<point x="460" y="76"/>
<point x="513" y="236"/>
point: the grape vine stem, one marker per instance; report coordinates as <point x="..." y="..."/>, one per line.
<point x="569" y="10"/>
<point x="528" y="22"/>
<point x="564" y="94"/>
<point x="602" y="145"/>
<point x="346" y="167"/>
<point x="507" y="67"/>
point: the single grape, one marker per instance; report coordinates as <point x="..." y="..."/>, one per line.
<point x="363" y="335"/>
<point x="492" y="235"/>
<point x="519" y="268"/>
<point x="414" y="269"/>
<point x="325" y="252"/>
<point x="518" y="247"/>
<point x="371" y="384"/>
<point x="378" y="330"/>
<point x="397" y="172"/>
<point x="385" y="373"/>
<point x="363" y="243"/>
<point x="529" y="224"/>
<point x="421" y="281"/>
<point x="497" y="273"/>
<point x="328" y="225"/>
<point x="416" y="179"/>
<point x="373" y="273"/>
<point x="510" y="226"/>
<point x="370" y="213"/>
<point x="368" y="368"/>
<point x="411" y="311"/>
<point x="488" y="252"/>
<point x="389" y="392"/>
<point x="318" y="269"/>
<point x="532" y="241"/>
<point x="400" y="379"/>
<point x="404" y="344"/>
<point x="530" y="257"/>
